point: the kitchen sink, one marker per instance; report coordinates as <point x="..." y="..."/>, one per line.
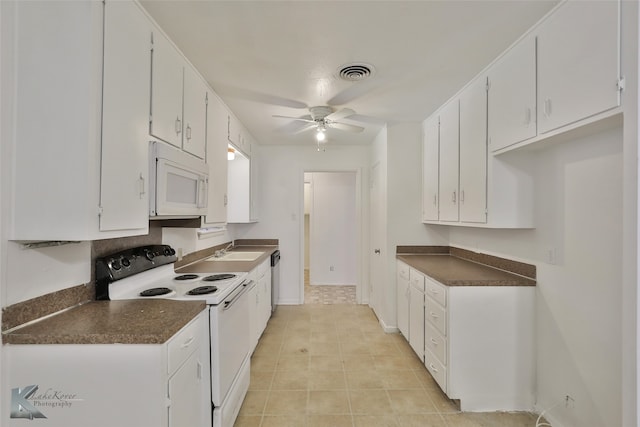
<point x="237" y="256"/>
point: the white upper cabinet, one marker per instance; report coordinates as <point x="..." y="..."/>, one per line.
<point x="126" y="81"/>
<point x="80" y="171"/>
<point x="217" y="160"/>
<point x="449" y="162"/>
<point x="166" y="91"/>
<point x="512" y="96"/>
<point x="430" y="169"/>
<point x="473" y="153"/>
<point x="578" y="63"/>
<point x="195" y="113"/>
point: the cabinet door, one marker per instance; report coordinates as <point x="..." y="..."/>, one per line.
<point x="512" y="96"/>
<point x="233" y="131"/>
<point x="416" y="321"/>
<point x="125" y="150"/>
<point x="430" y="168"/>
<point x="449" y="162"/>
<point x="185" y="391"/>
<point x="578" y="63"/>
<point x="166" y="91"/>
<point x="473" y="153"/>
<point x="217" y="144"/>
<point x="195" y="113"/>
<point x="402" y="289"/>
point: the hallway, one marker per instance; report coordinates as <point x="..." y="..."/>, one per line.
<point x="321" y="365"/>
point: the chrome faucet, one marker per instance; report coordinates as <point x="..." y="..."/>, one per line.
<point x="221" y="252"/>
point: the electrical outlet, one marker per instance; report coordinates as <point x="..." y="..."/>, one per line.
<point x="569" y="402"/>
<point x="552" y="255"/>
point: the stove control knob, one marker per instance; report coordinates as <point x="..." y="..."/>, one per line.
<point x="169" y="251"/>
<point x="149" y="255"/>
<point x="125" y="262"/>
<point x="115" y="264"/>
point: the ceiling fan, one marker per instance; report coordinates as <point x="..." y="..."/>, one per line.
<point x="321" y="118"/>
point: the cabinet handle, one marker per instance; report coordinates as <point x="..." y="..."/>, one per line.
<point x="547" y="107"/>
<point x="142" y="192"/>
<point x="462" y="196"/>
<point x="434" y="342"/>
<point x="178" y="125"/>
<point x="434" y="291"/>
<point x="435" y="316"/>
<point x="188" y="132"/>
<point x="187" y="343"/>
<point x="226" y="200"/>
<point x="435" y="200"/>
<point x="527" y="116"/>
<point x="453" y="199"/>
<point x="199" y="370"/>
<point x="433" y="368"/>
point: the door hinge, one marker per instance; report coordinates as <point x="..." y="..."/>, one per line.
<point x="206" y="98"/>
<point x="621" y="83"/>
<point x="100" y="210"/>
<point x="488" y="86"/>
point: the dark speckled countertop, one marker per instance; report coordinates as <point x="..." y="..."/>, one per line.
<point x="452" y="269"/>
<point x="110" y="322"/>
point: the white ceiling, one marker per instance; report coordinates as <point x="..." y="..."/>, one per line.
<point x="281" y="57"/>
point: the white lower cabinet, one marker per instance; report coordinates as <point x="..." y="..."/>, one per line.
<point x="402" y="298"/>
<point x="143" y="385"/>
<point x="416" y="312"/>
<point x="479" y="344"/>
<point x="260" y="300"/>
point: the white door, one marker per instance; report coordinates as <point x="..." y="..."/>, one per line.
<point x="449" y="162"/>
<point x="473" y="153"/>
<point x="166" y="91"/>
<point x="578" y="63"/>
<point x="430" y="169"/>
<point x="378" y="230"/>
<point x="124" y="178"/>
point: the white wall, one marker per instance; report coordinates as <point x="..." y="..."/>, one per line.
<point x="578" y="217"/>
<point x="334" y="233"/>
<point x="281" y="197"/>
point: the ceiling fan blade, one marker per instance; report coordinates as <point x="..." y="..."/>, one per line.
<point x="345" y="126"/>
<point x="306" y="128"/>
<point x="341" y="114"/>
<point x="303" y="119"/>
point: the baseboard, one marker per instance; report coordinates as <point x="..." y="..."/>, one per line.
<point x="388" y="329"/>
<point x="289" y="302"/>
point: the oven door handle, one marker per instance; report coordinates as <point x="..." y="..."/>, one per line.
<point x="242" y="289"/>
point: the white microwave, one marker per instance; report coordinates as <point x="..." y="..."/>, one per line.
<point x="178" y="187"/>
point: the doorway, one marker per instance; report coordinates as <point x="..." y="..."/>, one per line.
<point x="331" y="236"/>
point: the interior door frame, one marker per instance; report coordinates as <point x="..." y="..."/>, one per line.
<point x="361" y="296"/>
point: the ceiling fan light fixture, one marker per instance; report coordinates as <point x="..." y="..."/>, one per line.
<point x="320" y="134"/>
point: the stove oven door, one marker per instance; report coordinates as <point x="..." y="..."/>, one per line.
<point x="230" y="341"/>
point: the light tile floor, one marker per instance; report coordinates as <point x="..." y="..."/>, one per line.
<point x="332" y="365"/>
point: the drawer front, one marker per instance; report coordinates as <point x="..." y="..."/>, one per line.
<point x="403" y="270"/>
<point x="436" y="369"/>
<point x="436" y="343"/>
<point x="436" y="291"/>
<point x="185" y="342"/>
<point x="436" y="315"/>
<point x="417" y="279"/>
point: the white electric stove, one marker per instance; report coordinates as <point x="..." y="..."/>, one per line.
<point x="148" y="272"/>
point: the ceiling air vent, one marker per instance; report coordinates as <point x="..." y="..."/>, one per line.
<point x="355" y="72"/>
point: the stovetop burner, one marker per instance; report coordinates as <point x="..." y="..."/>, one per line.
<point x="186" y="277"/>
<point x="216" y="277"/>
<point x="154" y="292"/>
<point x="202" y="290"/>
